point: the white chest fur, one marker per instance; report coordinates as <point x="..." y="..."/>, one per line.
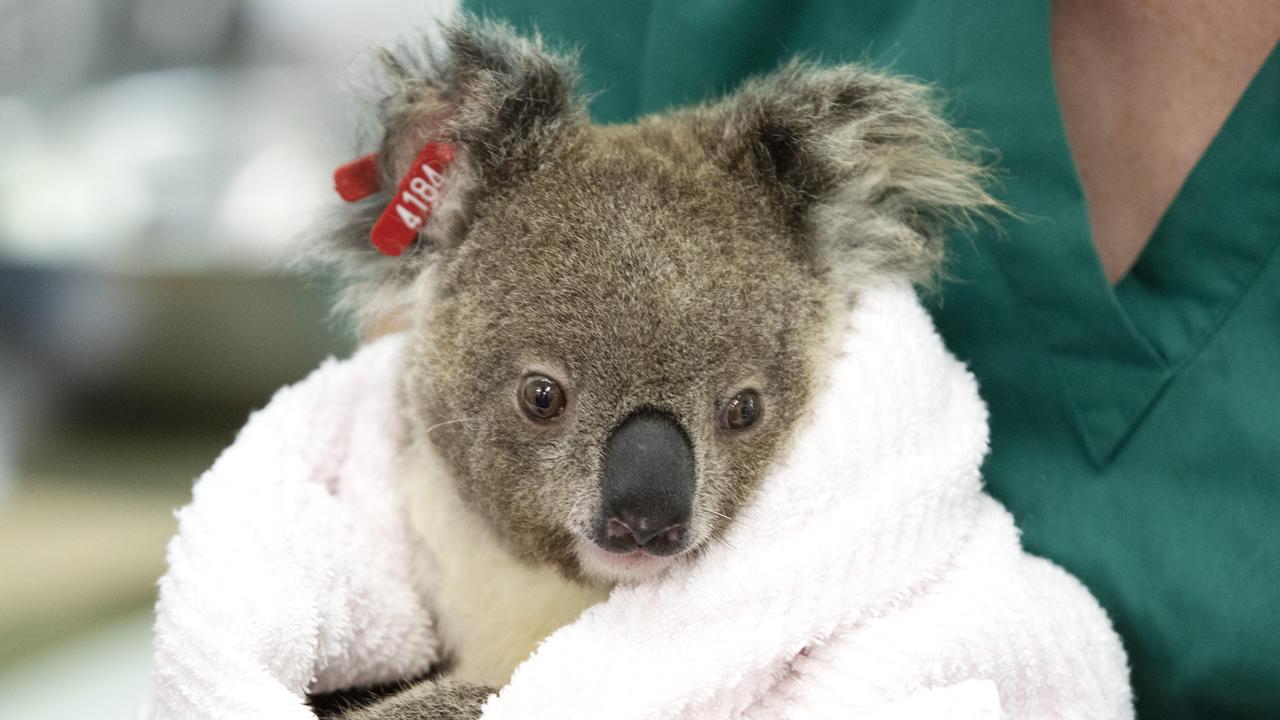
<point x="490" y="610"/>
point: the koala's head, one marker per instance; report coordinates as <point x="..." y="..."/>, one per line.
<point x="617" y="328"/>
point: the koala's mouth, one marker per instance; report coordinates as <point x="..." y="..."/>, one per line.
<point x="624" y="534"/>
<point x="618" y="551"/>
<point x="629" y="566"/>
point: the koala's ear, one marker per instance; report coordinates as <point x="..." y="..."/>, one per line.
<point x="502" y="101"/>
<point x="859" y="162"/>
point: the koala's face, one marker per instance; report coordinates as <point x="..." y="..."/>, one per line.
<point x="617" y="353"/>
<point x="624" y="324"/>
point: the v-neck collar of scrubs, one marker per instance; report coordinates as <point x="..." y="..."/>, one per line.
<point x="1116" y="349"/>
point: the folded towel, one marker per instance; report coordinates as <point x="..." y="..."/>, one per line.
<point x="289" y="571"/>
<point x="869" y="577"/>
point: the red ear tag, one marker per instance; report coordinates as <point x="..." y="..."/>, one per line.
<point x="357" y="179"/>
<point x="415" y="199"/>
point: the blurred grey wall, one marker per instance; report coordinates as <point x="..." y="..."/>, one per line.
<point x="160" y="162"/>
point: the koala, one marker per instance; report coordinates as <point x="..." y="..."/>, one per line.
<point x="614" y="330"/>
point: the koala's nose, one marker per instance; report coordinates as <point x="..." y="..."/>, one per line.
<point x="626" y="533"/>
<point x="647" y="486"/>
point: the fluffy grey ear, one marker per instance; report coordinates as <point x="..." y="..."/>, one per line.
<point x="860" y="162"/>
<point x="502" y="101"/>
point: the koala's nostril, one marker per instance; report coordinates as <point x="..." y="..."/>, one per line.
<point x="645" y="534"/>
<point x="675" y="535"/>
<point x="626" y="533"/>
<point x="618" y="529"/>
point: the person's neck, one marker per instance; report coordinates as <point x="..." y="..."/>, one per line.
<point x="1144" y="87"/>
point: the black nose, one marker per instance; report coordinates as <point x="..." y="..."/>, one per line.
<point x="648" y="485"/>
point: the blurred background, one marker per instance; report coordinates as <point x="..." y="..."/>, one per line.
<point x="159" y="163"/>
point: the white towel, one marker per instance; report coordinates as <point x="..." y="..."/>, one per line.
<point x="870" y="577"/>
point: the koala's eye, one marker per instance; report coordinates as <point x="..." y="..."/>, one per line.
<point x="541" y="397"/>
<point x="742" y="411"/>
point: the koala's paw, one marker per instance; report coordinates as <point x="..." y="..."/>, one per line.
<point x="428" y="700"/>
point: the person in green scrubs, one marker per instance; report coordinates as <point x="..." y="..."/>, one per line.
<point x="1132" y="371"/>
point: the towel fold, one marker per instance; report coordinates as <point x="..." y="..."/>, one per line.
<point x="870" y="576"/>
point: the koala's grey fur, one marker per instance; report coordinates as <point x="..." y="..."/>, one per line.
<point x="663" y="264"/>
<point x="430" y="700"/>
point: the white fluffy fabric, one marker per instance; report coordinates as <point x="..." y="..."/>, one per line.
<point x="869" y="578"/>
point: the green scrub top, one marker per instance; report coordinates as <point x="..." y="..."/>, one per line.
<point x="1135" y="429"/>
